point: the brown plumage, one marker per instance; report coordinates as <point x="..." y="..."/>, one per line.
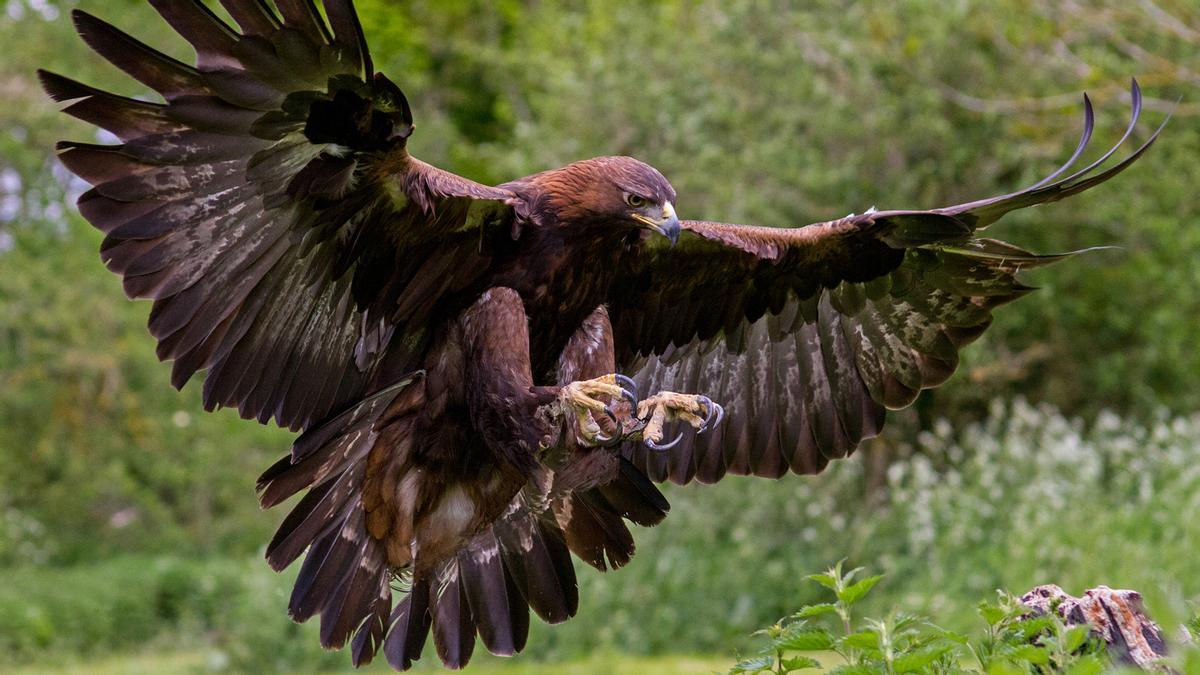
<point x="448" y="348"/>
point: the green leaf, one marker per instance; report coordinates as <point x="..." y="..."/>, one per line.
<point x="1005" y="668"/>
<point x="1076" y="637"/>
<point x="1025" y="630"/>
<point x="904" y="622"/>
<point x="807" y="640"/>
<point x="1193" y="626"/>
<point x="850" y="575"/>
<point x="824" y="579"/>
<point x="855" y="592"/>
<point x="953" y="636"/>
<point x="1087" y="665"/>
<point x="1039" y="656"/>
<point x="992" y="614"/>
<point x="1191" y="660"/>
<point x="800" y="663"/>
<point x="815" y="610"/>
<point x="915" y="661"/>
<point x="857" y="669"/>
<point x="755" y="665"/>
<point x="866" y="639"/>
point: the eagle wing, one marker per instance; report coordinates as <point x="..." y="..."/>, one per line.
<point x="268" y="204"/>
<point x="808" y="335"/>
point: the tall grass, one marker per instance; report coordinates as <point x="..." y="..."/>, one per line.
<point x="1024" y="497"/>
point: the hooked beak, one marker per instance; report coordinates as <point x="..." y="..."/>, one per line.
<point x="668" y="226"/>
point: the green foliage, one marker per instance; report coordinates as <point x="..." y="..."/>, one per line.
<point x="94" y="463"/>
<point x="236" y="608"/>
<point x="1014" y="641"/>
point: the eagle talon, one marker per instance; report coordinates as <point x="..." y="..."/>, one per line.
<point x="583" y="399"/>
<point x="629" y="389"/>
<point x="614" y="441"/>
<point x="611" y="415"/>
<point x="627" y="395"/>
<point x="663" y="448"/>
<point x="697" y="410"/>
<point x="714" y="410"/>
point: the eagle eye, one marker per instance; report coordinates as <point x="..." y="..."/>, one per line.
<point x="636" y="201"/>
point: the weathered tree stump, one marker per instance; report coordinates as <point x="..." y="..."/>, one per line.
<point x="1116" y="617"/>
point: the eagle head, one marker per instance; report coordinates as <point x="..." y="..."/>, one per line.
<point x="613" y="192"/>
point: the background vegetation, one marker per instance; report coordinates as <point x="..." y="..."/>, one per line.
<point x="127" y="517"/>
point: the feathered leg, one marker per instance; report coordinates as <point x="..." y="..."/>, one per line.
<point x="500" y="393"/>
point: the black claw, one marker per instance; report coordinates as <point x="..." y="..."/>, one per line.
<point x="628" y="396"/>
<point x="624" y="394"/>
<point x="611" y="415"/>
<point x="628" y="388"/>
<point x="719" y="412"/>
<point x="601" y="441"/>
<point x="713" y="415"/>
<point x="663" y="448"/>
<point x="708" y="411"/>
<point x="611" y="442"/>
<point x="614" y="440"/>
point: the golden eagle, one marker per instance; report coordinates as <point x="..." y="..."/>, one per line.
<point x="451" y="350"/>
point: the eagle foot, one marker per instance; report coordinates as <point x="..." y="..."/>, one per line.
<point x="665" y="406"/>
<point x="583" y="398"/>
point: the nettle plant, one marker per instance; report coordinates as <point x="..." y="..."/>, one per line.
<point x="829" y="636"/>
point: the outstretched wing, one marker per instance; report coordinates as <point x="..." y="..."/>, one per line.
<point x="807" y="335"/>
<point x="268" y="205"/>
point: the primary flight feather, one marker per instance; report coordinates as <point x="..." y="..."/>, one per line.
<point x="451" y="350"/>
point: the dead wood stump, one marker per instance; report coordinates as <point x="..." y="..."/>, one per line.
<point x="1116" y="617"/>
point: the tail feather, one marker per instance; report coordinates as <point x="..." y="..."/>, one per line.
<point x="356" y="595"/>
<point x="408" y="627"/>
<point x="369" y="638"/>
<point x="344" y="577"/>
<point x="325" y="568"/>
<point x="534" y="550"/>
<point x="501" y="615"/>
<point x="486" y="589"/>
<point x="329" y="449"/>
<point x="453" y="622"/>
<point x="594" y="531"/>
<point x="593" y="518"/>
<point x="311" y="517"/>
<point x="634" y="496"/>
